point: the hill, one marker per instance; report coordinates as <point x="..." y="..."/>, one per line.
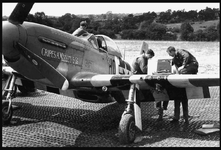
<point x="196" y="25"/>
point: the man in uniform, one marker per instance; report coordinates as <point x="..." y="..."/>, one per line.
<point x="185" y="63"/>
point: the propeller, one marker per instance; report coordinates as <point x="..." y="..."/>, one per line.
<point x="45" y="68"/>
<point x="20" y="13"/>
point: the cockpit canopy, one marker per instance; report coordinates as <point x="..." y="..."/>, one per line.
<point x="104" y="43"/>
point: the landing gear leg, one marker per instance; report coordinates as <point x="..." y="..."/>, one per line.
<point x="130" y="122"/>
<point x="7" y="100"/>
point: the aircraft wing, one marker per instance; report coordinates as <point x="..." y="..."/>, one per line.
<point x="174" y="86"/>
<point x="146" y="81"/>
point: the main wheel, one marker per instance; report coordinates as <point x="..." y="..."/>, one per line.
<point x="6" y="117"/>
<point x="127" y="129"/>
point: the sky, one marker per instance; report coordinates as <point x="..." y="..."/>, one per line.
<point x="59" y="9"/>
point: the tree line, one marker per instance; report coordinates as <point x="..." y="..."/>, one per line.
<point x="149" y="26"/>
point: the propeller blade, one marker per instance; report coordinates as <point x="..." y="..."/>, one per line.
<point x="20" y="13"/>
<point x="45" y="68"/>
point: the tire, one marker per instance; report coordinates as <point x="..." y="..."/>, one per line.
<point x="127" y="129"/>
<point x="6" y="118"/>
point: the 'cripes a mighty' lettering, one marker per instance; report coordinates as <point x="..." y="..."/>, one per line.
<point x="60" y="56"/>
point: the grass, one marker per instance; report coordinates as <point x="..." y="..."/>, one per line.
<point x="207" y="53"/>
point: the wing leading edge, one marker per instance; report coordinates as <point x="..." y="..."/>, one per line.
<point x="178" y="81"/>
<point x="174" y="86"/>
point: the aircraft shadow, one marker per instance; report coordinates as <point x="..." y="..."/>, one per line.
<point x="80" y="119"/>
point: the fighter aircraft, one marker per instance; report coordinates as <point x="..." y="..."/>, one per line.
<point x="79" y="67"/>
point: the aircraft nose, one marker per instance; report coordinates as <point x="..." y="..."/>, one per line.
<point x="10" y="35"/>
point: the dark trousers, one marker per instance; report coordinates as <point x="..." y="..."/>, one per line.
<point x="177" y="109"/>
<point x="191" y="68"/>
<point x="160" y="108"/>
<point x="165" y="104"/>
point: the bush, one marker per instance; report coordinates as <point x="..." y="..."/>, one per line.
<point x="169" y="37"/>
<point x="139" y="34"/>
<point x="211" y="36"/>
<point x="127" y="34"/>
<point x="186" y="30"/>
<point x="199" y="35"/>
<point x="208" y="34"/>
<point x="109" y="33"/>
<point x="156" y="31"/>
<point x="211" y="33"/>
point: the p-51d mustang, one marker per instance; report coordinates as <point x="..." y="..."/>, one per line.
<point x="79" y="67"/>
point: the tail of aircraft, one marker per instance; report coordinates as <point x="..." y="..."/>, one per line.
<point x="144" y="47"/>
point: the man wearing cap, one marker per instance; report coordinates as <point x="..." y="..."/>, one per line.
<point x="81" y="30"/>
<point x="185" y="63"/>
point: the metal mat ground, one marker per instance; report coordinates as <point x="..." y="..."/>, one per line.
<point x="50" y="120"/>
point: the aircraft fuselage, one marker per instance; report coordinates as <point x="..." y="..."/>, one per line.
<point x="66" y="53"/>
